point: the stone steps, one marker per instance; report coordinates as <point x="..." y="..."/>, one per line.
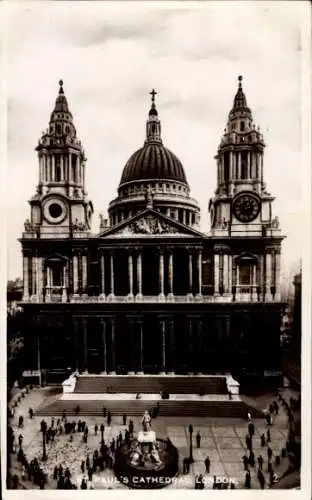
<point x="88" y="384"/>
<point x="191" y="408"/>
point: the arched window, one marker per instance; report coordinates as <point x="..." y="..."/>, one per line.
<point x="57" y="168"/>
<point x="244" y="165"/>
<point x="242" y="126"/>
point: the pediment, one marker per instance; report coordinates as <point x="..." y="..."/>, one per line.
<point x="147" y="224"/>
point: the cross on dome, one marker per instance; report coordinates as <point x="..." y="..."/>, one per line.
<point x="153" y="93"/>
<point x="61" y="90"/>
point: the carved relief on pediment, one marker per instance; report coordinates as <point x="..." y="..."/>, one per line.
<point x="151" y="225"/>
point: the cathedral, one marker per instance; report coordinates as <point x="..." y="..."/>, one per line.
<point x="150" y="292"/>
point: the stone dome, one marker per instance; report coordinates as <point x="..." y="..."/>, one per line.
<point x="153" y="161"/>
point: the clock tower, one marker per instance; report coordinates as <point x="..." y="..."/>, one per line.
<point x="241" y="206"/>
<point x="60" y="207"/>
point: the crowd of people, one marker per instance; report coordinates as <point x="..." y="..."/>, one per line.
<point x="104" y="456"/>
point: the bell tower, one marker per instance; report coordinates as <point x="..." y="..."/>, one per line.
<point x="241" y="205"/>
<point x="60" y="208"/>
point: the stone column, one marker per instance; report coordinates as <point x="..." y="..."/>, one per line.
<point x="239" y="166"/>
<point x="84" y="274"/>
<point x="184" y="217"/>
<point x="140" y="324"/>
<point x="48" y="286"/>
<point x="191" y="351"/>
<point x="248" y="165"/>
<point x="170" y="273"/>
<point x="132" y="347"/>
<point x="33" y="276"/>
<point x="64" y="291"/>
<point x="161" y="275"/>
<point x="277" y="277"/>
<point x="199" y="269"/>
<point x="75" y="275"/>
<point x="254" y="282"/>
<point x="190" y="256"/>
<point x="172" y="345"/>
<point x="216" y="273"/>
<point x="230" y="264"/>
<point x="268" y="278"/>
<point x="85" y="345"/>
<point x="70" y="171"/>
<point x="199" y="346"/>
<point x="139" y="274"/>
<point x="39" y="278"/>
<point x="163" y="345"/>
<point x="262" y="276"/>
<point x="62" y="168"/>
<point x="53" y="168"/>
<point x="130" y="274"/>
<point x="225" y="273"/>
<point x="113" y="372"/>
<point x="102" y="275"/>
<point x="76" y="341"/>
<point x="25" y="279"/>
<point x="112" y="277"/>
<point x="103" y="324"/>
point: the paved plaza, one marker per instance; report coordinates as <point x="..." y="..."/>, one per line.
<point x="223" y="440"/>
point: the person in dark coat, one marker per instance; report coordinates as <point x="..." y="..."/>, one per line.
<point x="261" y="479"/>
<point x="268" y="436"/>
<point x="262" y="438"/>
<point x="269" y="452"/>
<point x="260" y="462"/>
<point x="245" y="462"/>
<point x="82" y="466"/>
<point x="247" y="480"/>
<point x="251" y="459"/>
<point x="90" y="474"/>
<point x="83" y="485"/>
<point x="95" y="429"/>
<point x="88" y="462"/>
<point x="207" y="464"/>
<point x="198" y="439"/>
<point x="251" y="429"/>
<point x="55" y="473"/>
<point x="185" y="465"/>
<point x="31" y="413"/>
<point x="124" y="419"/>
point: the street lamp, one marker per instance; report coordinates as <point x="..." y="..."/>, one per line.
<point x="190" y="429"/>
<point x="44" y="431"/>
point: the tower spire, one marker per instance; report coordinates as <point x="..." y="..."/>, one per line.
<point x="153" y="128"/>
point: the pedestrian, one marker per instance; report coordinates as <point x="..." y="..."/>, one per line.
<point x="260" y="462"/>
<point x="64" y="415"/>
<point x="268" y="433"/>
<point x="31" y="413"/>
<point x="245" y="462"/>
<point x="82" y="466"/>
<point x="20" y="440"/>
<point x="198" y="439"/>
<point x="269" y="452"/>
<point x="55" y="473"/>
<point x="248" y="441"/>
<point x="113" y="446"/>
<point x="124" y="419"/>
<point x="249" y="417"/>
<point x="247" y="480"/>
<point x="109" y="418"/>
<point x="88" y="462"/>
<point x="261" y="479"/>
<point x="251" y="429"/>
<point x="277" y="460"/>
<point x="251" y="459"/>
<point x="262" y="438"/>
<point x="131" y="427"/>
<point x="95" y="429"/>
<point x="83" y="485"/>
<point x="21" y="421"/>
<point x="185" y="465"/>
<point x="207" y="464"/>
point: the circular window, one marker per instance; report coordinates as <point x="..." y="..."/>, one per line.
<point x="55" y="210"/>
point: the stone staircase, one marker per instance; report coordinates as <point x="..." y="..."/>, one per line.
<point x="168" y="408"/>
<point x="179" y="384"/>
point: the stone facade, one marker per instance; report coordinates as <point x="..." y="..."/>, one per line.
<point x="151" y="292"/>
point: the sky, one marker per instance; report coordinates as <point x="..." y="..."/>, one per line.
<point x="111" y="55"/>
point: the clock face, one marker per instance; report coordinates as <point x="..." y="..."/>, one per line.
<point x="246" y="207"/>
<point x="55" y="210"/>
